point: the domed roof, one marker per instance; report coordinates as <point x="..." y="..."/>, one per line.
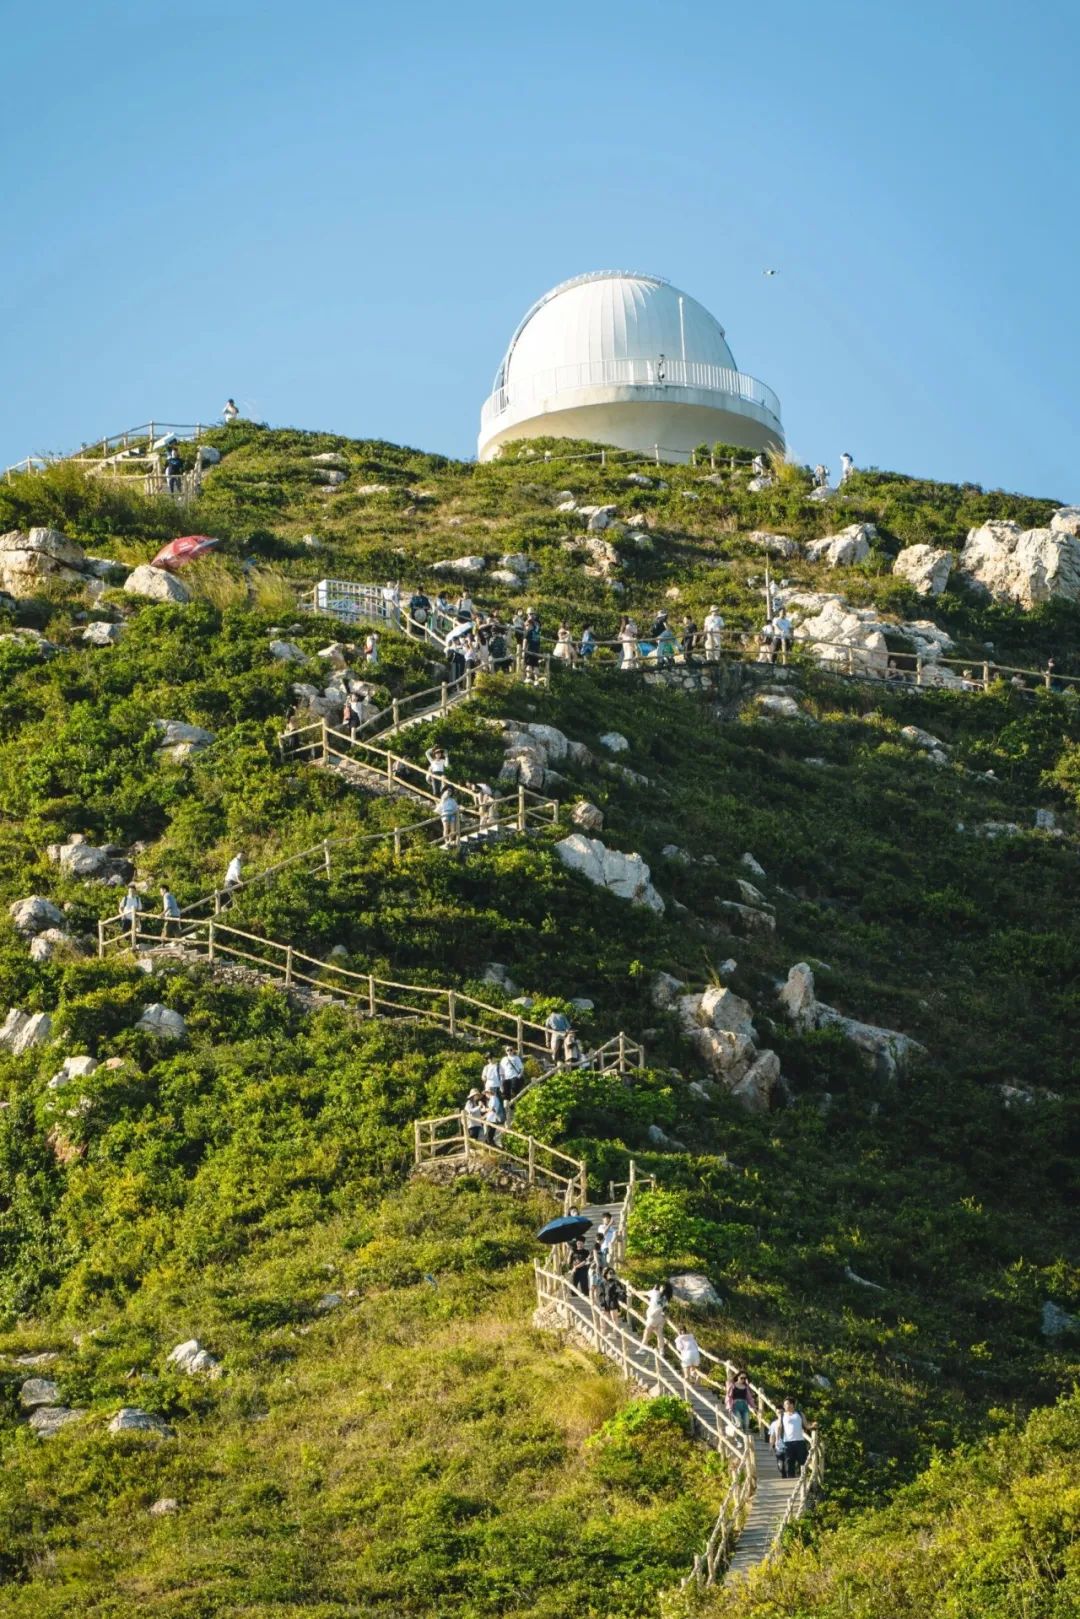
<point x="610" y="315"/>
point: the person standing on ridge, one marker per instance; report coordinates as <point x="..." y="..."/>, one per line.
<point x="656" y="1315"/>
<point x="230" y="412"/>
<point x="131" y="905"/>
<point x="233" y="875"/>
<point x="448" y="815"/>
<point x="511" y="1072"/>
<point x="793" y="1433"/>
<point x="174" y="471"/>
<point x="847" y="467"/>
<point x="557" y="1025"/>
<point x="714" y="631"/>
<point x="170" y="912"/>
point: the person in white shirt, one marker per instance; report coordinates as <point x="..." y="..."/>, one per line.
<point x="485" y="805"/>
<point x="490" y="1077"/>
<point x="713" y="629"/>
<point x="656" y="1315"/>
<point x="230" y="412"/>
<point x="475" y="1111"/>
<point x="391" y="598"/>
<point x="234" y="871"/>
<point x="689" y="1353"/>
<point x="758" y="466"/>
<point x="438" y="765"/>
<point x="511" y="1072"/>
<point x="821" y="476"/>
<point x="793" y="1433"/>
<point x="847" y="467"/>
<point x="371" y="647"/>
<point x="448" y="815"/>
<point x="627" y="638"/>
<point x="784" y="632"/>
<point x="130" y="905"/>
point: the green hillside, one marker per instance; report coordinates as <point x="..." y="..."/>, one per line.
<point x="417" y="1447"/>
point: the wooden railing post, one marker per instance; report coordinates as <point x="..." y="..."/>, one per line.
<point x="918" y="671"/>
<point x="622" y="1052"/>
<point x="100" y="939"/>
<point x="521" y="809"/>
<point x="217" y="901"/>
<point x="532" y="1161"/>
<point x="288" y="966"/>
<point x="395" y="711"/>
<point x="451" y="1004"/>
<point x="371" y="994"/>
<point x="390" y="768"/>
<point x="397" y="843"/>
<point x="520" y="1034"/>
<point x="326" y="854"/>
<point x="443" y="698"/>
<point x="986" y="676"/>
<point x="210" y="942"/>
<point x="325" y="743"/>
<point x="416" y="1141"/>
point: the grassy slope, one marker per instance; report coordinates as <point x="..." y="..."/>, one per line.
<point x="256" y="1150"/>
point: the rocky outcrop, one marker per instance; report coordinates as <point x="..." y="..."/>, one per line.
<point x="102" y="634"/>
<point x="34" y="915"/>
<point x="886" y="1051"/>
<point x="192" y="1358"/>
<point x="29" y="560"/>
<point x="845" y="549"/>
<point x="47" y="1420"/>
<point x="1066" y="520"/>
<point x="287" y="652"/>
<point x="38" y="1391"/>
<point x="160" y="1020"/>
<point x="78" y="858"/>
<point x="180" y="740"/>
<point x="614" y="741"/>
<point x="720" y="1026"/>
<point x="72" y="1068"/>
<point x="156" y="584"/>
<point x="21" y="1031"/>
<point x="777" y="706"/>
<point x="925" y="567"/>
<point x="777" y="545"/>
<point x="1025" y="566"/>
<point x="51" y="940"/>
<point x="587" y="816"/>
<point x="469" y="565"/>
<point x="690" y="1287"/>
<point x="625" y="875"/>
<point x="836" y="633"/>
<point x="133" y="1419"/>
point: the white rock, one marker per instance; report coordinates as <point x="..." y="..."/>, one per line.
<point x="886" y="1051"/>
<point x="756" y="485"/>
<point x="495" y="973"/>
<point x="777" y="545"/>
<point x="850" y="637"/>
<point x="639" y="479"/>
<point x="587" y="816"/>
<point x="72" y="1068"/>
<point x="660" y="1138"/>
<point x="752" y="919"/>
<point x="157" y="584"/>
<point x="159" y="1020"/>
<point x="845" y="549"/>
<point x="569" y="505"/>
<point x="47" y="943"/>
<point x="287" y="652"/>
<point x="754" y="1091"/>
<point x="929" y="639"/>
<point x="1046" y="820"/>
<point x="329" y="1301"/>
<point x="582" y="1003"/>
<point x="372" y="489"/>
<point x="777" y="706"/>
<point x="1023" y="566"/>
<point x="748" y="893"/>
<point x="133" y="1419"/>
<point x="752" y="865"/>
<point x="164" y="1505"/>
<point x="177" y="734"/>
<point x="690" y="1287"/>
<point x="516" y="562"/>
<point x="43" y="1357"/>
<point x="210" y="456"/>
<point x="551" y="739"/>
<point x="47" y="1420"/>
<point x="820" y="1381"/>
<point x="505" y="576"/>
<point x="614" y="741"/>
<point x="1066" y="520"/>
<point x="922" y="739"/>
<point x="82" y="859"/>
<point x="193" y="1359"/>
<point x="603" y="557"/>
<point x="330" y="458"/>
<point x="598" y="517"/>
<point x="29" y="559"/>
<point x="861" y="1281"/>
<point x="38" y="1391"/>
<point x="34" y="915"/>
<point x="21" y="1033"/>
<point x="665" y="990"/>
<point x="723" y="1009"/>
<point x="467" y="565"/>
<point x="925" y="567"/>
<point x="625" y="875"/>
<point x="797" y="998"/>
<point x="101" y="634"/>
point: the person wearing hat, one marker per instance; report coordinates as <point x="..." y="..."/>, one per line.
<point x="714" y="629"/>
<point x="475" y="1114"/>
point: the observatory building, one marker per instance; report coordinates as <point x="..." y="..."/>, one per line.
<point x="627" y="360"/>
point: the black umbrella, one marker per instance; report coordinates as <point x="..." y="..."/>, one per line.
<point x="564" y="1229"/>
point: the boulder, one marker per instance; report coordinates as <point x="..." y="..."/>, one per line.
<point x="690" y="1287"/>
<point x="755" y="1090"/>
<point x="625" y="875"/>
<point x="193" y="1359"/>
<point x="496" y="974"/>
<point x="723" y="1009"/>
<point x="506" y="576"/>
<point x="665" y="989"/>
<point x="551" y="740"/>
<point x="372" y="489"/>
<point x="757" y="485"/>
<point x="797" y="998"/>
<point x="157" y="584"/>
<point x="329" y="1301"/>
<point x="287" y="652"/>
<point x="47" y="1420"/>
<point x="777" y="706"/>
<point x="466" y="565"/>
<point x="38" y="1391"/>
<point x="660" y="1138"/>
<point x="159" y="1020"/>
<point x="329" y="458"/>
<point x="749" y="917"/>
<point x="20" y="1032"/>
<point x="925" y="567"/>
<point x="928" y="639"/>
<point x="603" y="557"/>
<point x="598" y="518"/>
<point x="777" y="545"/>
<point x="845" y="549"/>
<point x="330" y="477"/>
<point x="886" y="1051"/>
<point x="34" y="915"/>
<point x="516" y="562"/>
<point x="587" y="816"/>
<point x="29" y="559"/>
<point x="102" y="634"/>
<point x="923" y="739"/>
<point x="850" y="637"/>
<point x="47" y="943"/>
<point x="1022" y="566"/>
<point x="614" y="741"/>
<point x="133" y="1419"/>
<point x="748" y="893"/>
<point x="1056" y="1322"/>
<point x="163" y="1506"/>
<point x="820" y="1381"/>
<point x="1046" y="820"/>
<point x="208" y="455"/>
<point x="752" y="865"/>
<point x="639" y="479"/>
<point x="79" y="859"/>
<point x="72" y="1068"/>
<point x="582" y="1004"/>
<point x="180" y="740"/>
<point x="1066" y="520"/>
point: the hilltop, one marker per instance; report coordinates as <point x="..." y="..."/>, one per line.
<point x="885" y="1216"/>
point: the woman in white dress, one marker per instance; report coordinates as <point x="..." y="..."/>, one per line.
<point x="628" y="638"/>
<point x="564" y="649"/>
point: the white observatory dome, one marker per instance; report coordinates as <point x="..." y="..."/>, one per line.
<point x="627" y="360"/>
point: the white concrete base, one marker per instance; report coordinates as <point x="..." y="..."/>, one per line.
<point x="635" y="418"/>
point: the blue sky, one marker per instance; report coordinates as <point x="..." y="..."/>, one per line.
<point x="338" y="212"/>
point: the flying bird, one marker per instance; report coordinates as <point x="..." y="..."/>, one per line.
<point x="770" y="272"/>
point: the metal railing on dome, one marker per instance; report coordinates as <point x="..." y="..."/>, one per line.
<point x="633" y="373"/>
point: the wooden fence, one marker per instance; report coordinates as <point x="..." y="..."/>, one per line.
<point x="533" y="1161"/>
